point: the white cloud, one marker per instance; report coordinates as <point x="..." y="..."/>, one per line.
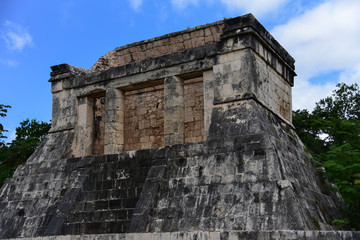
<point x="324" y="39"/>
<point x="256" y="7"/>
<point x="136" y="4"/>
<point x="182" y="4"/>
<point x="16" y="37"/>
<point x="351" y="75"/>
<point x="305" y="94"/>
<point x="9" y="62"/>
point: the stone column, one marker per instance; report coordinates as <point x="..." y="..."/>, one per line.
<point x="114" y="125"/>
<point x="208" y="100"/>
<point x="85" y="127"/>
<point x="174" y="117"/>
<point x="63" y="103"/>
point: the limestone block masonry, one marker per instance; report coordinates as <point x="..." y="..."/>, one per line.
<point x="183" y="136"/>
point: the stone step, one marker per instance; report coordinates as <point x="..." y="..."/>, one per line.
<point x="95" y="227"/>
<point x="205" y="235"/>
<point x="101" y="216"/>
<point x="110" y="194"/>
<point x="128" y="203"/>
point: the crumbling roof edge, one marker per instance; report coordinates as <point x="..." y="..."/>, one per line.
<point x="188" y="30"/>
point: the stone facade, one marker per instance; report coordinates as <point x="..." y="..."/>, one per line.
<point x="144" y="118"/>
<point x="99" y="125"/>
<point x="224" y="54"/>
<point x="184" y="136"/>
<point x="194" y="110"/>
<point x="156" y="47"/>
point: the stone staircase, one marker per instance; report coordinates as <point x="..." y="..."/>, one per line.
<point x="108" y="197"/>
<point x="32" y="195"/>
<point x="89" y="195"/>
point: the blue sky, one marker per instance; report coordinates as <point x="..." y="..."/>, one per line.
<point x="322" y="35"/>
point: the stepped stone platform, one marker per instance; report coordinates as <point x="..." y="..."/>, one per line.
<point x="225" y="235"/>
<point x="184" y="136"/>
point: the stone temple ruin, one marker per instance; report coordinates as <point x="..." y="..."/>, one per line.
<point x="183" y="136"/>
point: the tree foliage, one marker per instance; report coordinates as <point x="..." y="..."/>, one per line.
<point x="29" y="135"/>
<point x="331" y="132"/>
<point x="3" y="111"/>
<point x="306" y="126"/>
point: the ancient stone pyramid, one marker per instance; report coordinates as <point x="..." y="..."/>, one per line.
<point x="184" y="136"/>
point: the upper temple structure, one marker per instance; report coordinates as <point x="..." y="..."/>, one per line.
<point x="184" y="136"/>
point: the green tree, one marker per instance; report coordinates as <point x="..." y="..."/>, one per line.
<point x="339" y="115"/>
<point x="331" y="132"/>
<point x="307" y="129"/>
<point x="29" y="135"/>
<point x="343" y="104"/>
<point x="4" y="172"/>
<point x="3" y="111"/>
<point x="342" y="164"/>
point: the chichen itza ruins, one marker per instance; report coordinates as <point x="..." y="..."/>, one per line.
<point x="184" y="136"/>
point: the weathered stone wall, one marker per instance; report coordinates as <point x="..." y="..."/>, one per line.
<point x="95" y="194"/>
<point x="194" y="109"/>
<point x="231" y="79"/>
<point x="210" y="108"/>
<point x="99" y="126"/>
<point x="90" y="124"/>
<point x="250" y="176"/>
<point x="245" y="177"/>
<point x="64" y="113"/>
<point x="109" y="195"/>
<point x="144" y="118"/>
<point x="156" y="47"/>
<point x="36" y="193"/>
<point x="236" y="51"/>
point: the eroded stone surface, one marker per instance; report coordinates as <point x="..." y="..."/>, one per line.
<point x="156" y="47"/>
<point x="144" y="118"/>
<point x="99" y="126"/>
<point x="179" y="137"/>
<point x="194" y="110"/>
<point x="224" y="235"/>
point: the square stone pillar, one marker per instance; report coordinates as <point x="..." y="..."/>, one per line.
<point x="174" y="113"/>
<point x="208" y="77"/>
<point x="114" y="125"/>
<point x="85" y="127"/>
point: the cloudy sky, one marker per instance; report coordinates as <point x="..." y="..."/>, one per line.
<point x="322" y="35"/>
